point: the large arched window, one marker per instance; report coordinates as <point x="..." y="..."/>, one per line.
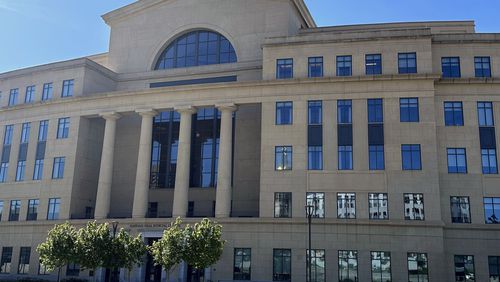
<point x="197" y="48"/>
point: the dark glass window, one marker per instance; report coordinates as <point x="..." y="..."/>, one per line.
<point x="284" y="68"/>
<point x="42" y="269"/>
<point x="242" y="264"/>
<point x="67" y="89"/>
<point x="494" y="267"/>
<point x="345" y="158"/>
<point x="489" y="161"/>
<point x="283" y="158"/>
<point x="411" y="157"/>
<point x="54" y="208"/>
<point x="457" y="160"/>
<point x="346" y="205"/>
<point x="284" y="113"/>
<point x="460" y="209"/>
<point x="315" y="158"/>
<point x="58" y="168"/>
<point x="317" y="200"/>
<point x="408" y="110"/>
<point x="378" y="206"/>
<point x="24" y="260"/>
<point x="48" y="89"/>
<point x="485" y="114"/>
<point x="1" y="210"/>
<point x="464" y="269"/>
<point x="344" y="109"/>
<point x="492" y="210"/>
<point x="315" y="113"/>
<point x="13" y="97"/>
<point x="4" y="167"/>
<point x="344" y="65"/>
<point x="414" y="206"/>
<point x="152" y="209"/>
<point x="376" y="157"/>
<point x="42" y="130"/>
<point x="407" y="63"/>
<point x="373" y="64"/>
<point x="25" y="132"/>
<point x="283" y="204"/>
<point x="197" y="48"/>
<point x="38" y="170"/>
<point x="381" y="267"/>
<point x="32" y="209"/>
<point x="63" y="128"/>
<point x="453" y="114"/>
<point x="375" y="111"/>
<point x="482" y="66"/>
<point x="30" y="94"/>
<point x="6" y="261"/>
<point x="15" y="208"/>
<point x="418" y="267"/>
<point x="190" y="212"/>
<point x="450" y="67"/>
<point x="72" y="269"/>
<point x="282" y="265"/>
<point x="348" y="266"/>
<point x="317" y="265"/>
<point x="7" y="139"/>
<point x="20" y="171"/>
<point x="315" y="66"/>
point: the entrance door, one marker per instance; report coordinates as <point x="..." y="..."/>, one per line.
<point x="153" y="272"/>
<point x="195" y="275"/>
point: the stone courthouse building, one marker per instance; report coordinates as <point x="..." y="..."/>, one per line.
<point x="245" y="111"/>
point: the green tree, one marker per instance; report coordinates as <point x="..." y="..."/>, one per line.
<point x="59" y="248"/>
<point x="169" y="250"/>
<point x="92" y="244"/>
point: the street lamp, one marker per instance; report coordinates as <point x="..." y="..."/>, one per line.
<point x="310" y="212"/>
<point x="114" y="270"/>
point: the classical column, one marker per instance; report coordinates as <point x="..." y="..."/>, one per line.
<point x="103" y="198"/>
<point x="183" y="162"/>
<point x="224" y="189"/>
<point x="141" y="191"/>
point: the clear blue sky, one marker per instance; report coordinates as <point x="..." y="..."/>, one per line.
<point x="35" y="32"/>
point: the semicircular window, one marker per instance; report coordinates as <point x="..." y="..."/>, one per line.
<point x="197" y="48"/>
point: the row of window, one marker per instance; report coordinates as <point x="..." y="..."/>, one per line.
<point x="407" y="63"/>
<point x="62" y="131"/>
<point x="348" y="266"/>
<point x="378" y="206"/>
<point x="47" y="92"/>
<point x="57" y="170"/>
<point x="32" y="214"/>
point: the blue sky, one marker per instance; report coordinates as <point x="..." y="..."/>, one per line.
<point x="35" y="32"/>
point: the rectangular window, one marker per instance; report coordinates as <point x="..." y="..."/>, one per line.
<point x="9" y="130"/>
<point x="373" y="64"/>
<point x="457" y="160"/>
<point x="485" y="114"/>
<point x="38" y="171"/>
<point x="315" y="113"/>
<point x="47" y="91"/>
<point x="411" y="157"/>
<point x="284" y="68"/>
<point x="450" y="67"/>
<point x="283" y="158"/>
<point x="409" y="110"/>
<point x="345" y="158"/>
<point x="43" y="128"/>
<point x="317" y="200"/>
<point x="376" y="157"/>
<point x="348" y="266"/>
<point x="464" y="269"/>
<point x="414" y="206"/>
<point x="344" y="109"/>
<point x="30" y="94"/>
<point x="13" y="97"/>
<point x="315" y="158"/>
<point x="381" y="267"/>
<point x="153" y="209"/>
<point x="375" y="111"/>
<point x="4" y="168"/>
<point x="315" y="67"/>
<point x="32" y="209"/>
<point x="418" y="267"/>
<point x="54" y="207"/>
<point x="407" y="63"/>
<point x="489" y="161"/>
<point x="63" y="128"/>
<point x="282" y="204"/>
<point x="242" y="269"/>
<point x="317" y="265"/>
<point x="25" y="132"/>
<point x="72" y="269"/>
<point x="482" y="66"/>
<point x="15" y="208"/>
<point x="67" y="89"/>
<point x="344" y="65"/>
<point x="378" y="206"/>
<point x="58" y="169"/>
<point x="460" y="209"/>
<point x="492" y="210"/>
<point x="42" y="269"/>
<point x="6" y="261"/>
<point x="284" y="113"/>
<point x="21" y="171"/>
<point x="1" y="210"/>
<point x="282" y="265"/>
<point x="346" y="205"/>
<point x="24" y="260"/>
<point x="453" y="114"/>
<point x="494" y="267"/>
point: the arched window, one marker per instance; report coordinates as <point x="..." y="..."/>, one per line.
<point x="197" y="48"/>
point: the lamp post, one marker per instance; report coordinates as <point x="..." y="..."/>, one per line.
<point x="114" y="270"/>
<point x="310" y="212"/>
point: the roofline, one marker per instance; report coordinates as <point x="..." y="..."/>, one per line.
<point x="392" y="25"/>
<point x="305" y="13"/>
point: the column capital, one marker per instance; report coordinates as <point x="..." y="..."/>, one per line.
<point x="231" y="107"/>
<point x="147" y="112"/>
<point x="110" y="115"/>
<point x="185" y="109"/>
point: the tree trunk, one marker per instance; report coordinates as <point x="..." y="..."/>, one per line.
<point x="59" y="274"/>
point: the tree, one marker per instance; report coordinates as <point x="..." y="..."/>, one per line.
<point x="59" y="248"/>
<point x="169" y="250"/>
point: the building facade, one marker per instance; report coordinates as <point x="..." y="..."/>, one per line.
<point x="245" y="111"/>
